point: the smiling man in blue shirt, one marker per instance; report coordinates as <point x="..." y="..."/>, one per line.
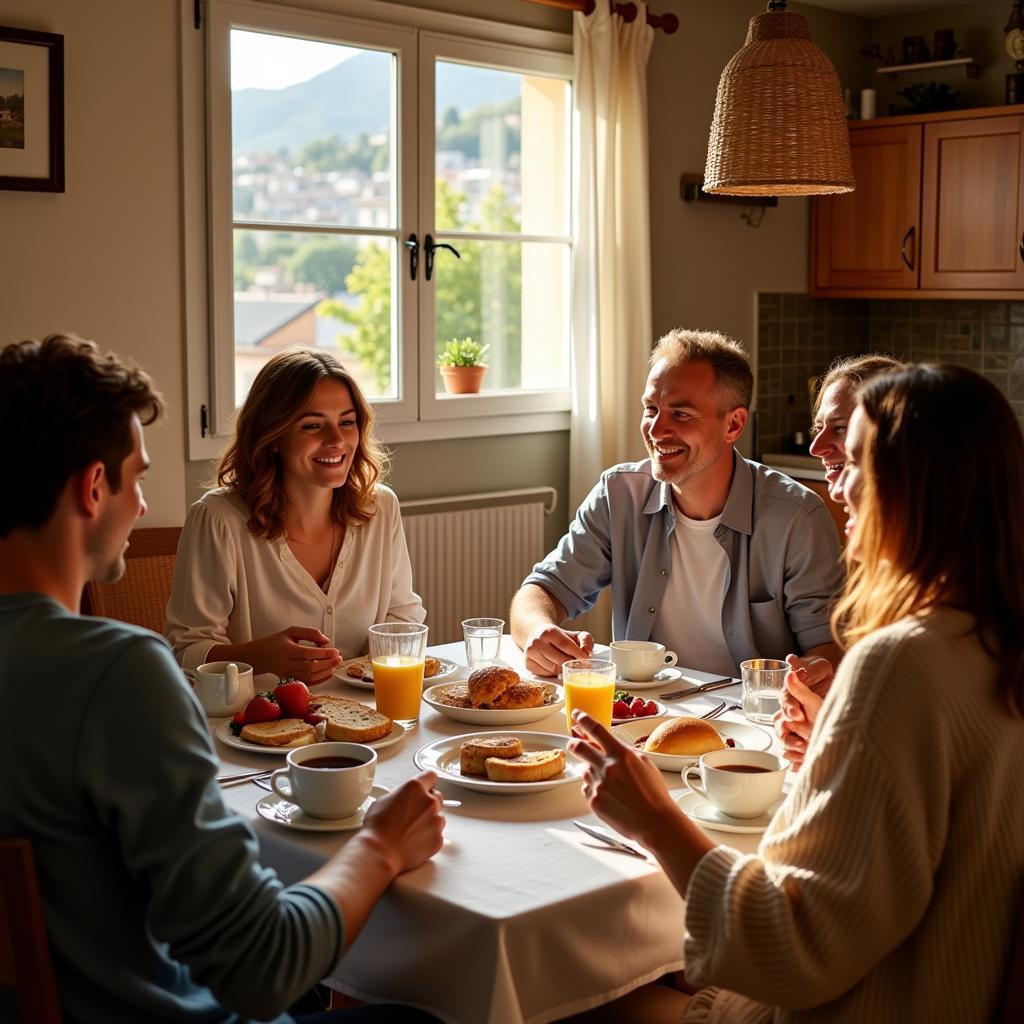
<point x="717" y="557"/>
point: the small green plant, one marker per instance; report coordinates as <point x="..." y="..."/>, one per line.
<point x="462" y="353"/>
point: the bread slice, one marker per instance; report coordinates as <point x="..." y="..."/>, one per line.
<point x="349" y="720"/>
<point x="689" y="737"/>
<point x="283" y="732"/>
<point x="474" y="753"/>
<point x="431" y="667"/>
<point x="536" y="766"/>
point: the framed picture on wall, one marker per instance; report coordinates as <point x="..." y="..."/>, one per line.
<point x="31" y="110"/>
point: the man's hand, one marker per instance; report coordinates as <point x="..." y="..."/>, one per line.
<point x="549" y="646"/>
<point x="807" y="683"/>
<point x="408" y="823"/>
<point x="298" y="651"/>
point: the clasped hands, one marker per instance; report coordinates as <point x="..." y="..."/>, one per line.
<point x="807" y="682"/>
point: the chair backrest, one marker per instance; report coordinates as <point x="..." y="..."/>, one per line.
<point x="140" y="596"/>
<point x="24" y="952"/>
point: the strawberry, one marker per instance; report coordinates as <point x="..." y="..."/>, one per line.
<point x="313" y="719"/>
<point x="636" y="706"/>
<point x="293" y="698"/>
<point x="262" y="708"/>
<point x="620" y="709"/>
<point x="237" y="721"/>
<point x="650" y="708"/>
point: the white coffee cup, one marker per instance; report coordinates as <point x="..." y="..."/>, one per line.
<point x="740" y="783"/>
<point x="223" y="687"/>
<point x="639" y="660"/>
<point x="323" y="786"/>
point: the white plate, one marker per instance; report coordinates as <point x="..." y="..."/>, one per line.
<point x="449" y="669"/>
<point x="666" y="675"/>
<point x="746" y="737"/>
<point x="283" y="812"/>
<point x="442" y="756"/>
<point x="497" y="717"/>
<point x="229" y="739"/>
<point x="707" y="814"/>
<point x="661" y="712"/>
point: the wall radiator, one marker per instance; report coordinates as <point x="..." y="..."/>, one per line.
<point x="471" y="552"/>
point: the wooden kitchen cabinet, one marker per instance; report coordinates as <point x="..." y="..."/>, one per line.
<point x="938" y="211"/>
<point x="868" y="237"/>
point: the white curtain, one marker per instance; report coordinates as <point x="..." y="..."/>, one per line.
<point x="612" y="264"/>
<point x="612" y="270"/>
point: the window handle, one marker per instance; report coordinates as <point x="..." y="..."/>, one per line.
<point x="429" y="247"/>
<point x="412" y="243"/>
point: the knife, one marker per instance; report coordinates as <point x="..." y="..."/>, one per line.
<point x="715" y="684"/>
<point x="608" y="839"/>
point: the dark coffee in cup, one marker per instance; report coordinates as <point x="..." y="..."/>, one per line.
<point x="332" y="762"/>
<point x="748" y="768"/>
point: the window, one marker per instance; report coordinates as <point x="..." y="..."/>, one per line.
<point x="337" y="150"/>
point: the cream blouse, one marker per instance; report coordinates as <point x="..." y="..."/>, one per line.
<point x="231" y="587"/>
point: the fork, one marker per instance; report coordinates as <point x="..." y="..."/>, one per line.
<point x="719" y="710"/>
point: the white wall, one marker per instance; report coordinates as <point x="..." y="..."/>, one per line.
<point x="103" y="259"/>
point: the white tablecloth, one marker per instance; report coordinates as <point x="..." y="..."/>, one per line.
<point x="520" y="918"/>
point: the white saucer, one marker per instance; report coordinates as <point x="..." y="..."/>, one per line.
<point x="283" y="812"/>
<point x="449" y="670"/>
<point x="695" y="806"/>
<point x="666" y="675"/>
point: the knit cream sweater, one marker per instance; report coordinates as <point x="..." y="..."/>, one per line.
<point x="887" y="886"/>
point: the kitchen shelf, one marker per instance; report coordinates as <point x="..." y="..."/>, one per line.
<point x="972" y="69"/>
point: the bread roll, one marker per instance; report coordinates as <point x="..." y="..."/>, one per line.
<point x="349" y="720"/>
<point x="690" y="737"/>
<point x="487" y="683"/>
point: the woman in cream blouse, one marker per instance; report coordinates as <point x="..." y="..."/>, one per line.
<point x="301" y="549"/>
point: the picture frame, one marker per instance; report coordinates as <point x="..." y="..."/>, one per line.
<point x="31" y="110"/>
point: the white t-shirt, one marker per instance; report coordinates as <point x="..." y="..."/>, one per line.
<point x="689" y="620"/>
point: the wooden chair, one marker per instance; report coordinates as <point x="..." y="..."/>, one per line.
<point x="140" y="596"/>
<point x="24" y="952"/>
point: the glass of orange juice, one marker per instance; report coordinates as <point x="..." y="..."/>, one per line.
<point x="397" y="650"/>
<point x="589" y="685"/>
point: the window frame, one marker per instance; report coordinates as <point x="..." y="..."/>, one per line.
<point x="419" y="414"/>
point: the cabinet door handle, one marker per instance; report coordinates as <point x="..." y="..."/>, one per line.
<point x="1021" y="250"/>
<point x="910" y="234"/>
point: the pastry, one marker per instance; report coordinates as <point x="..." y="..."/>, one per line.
<point x="474" y="753"/>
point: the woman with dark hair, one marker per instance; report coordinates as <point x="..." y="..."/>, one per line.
<point x="888" y="883"/>
<point x="301" y="549"/>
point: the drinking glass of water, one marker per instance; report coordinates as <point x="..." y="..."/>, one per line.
<point x="483" y="640"/>
<point x="763" y="680"/>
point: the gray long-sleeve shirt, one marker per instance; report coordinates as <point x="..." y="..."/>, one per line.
<point x="155" y="905"/>
<point x="783" y="553"/>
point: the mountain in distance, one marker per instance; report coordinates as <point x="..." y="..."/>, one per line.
<point x="350" y="98"/>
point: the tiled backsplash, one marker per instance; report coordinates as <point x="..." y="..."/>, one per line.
<point x="799" y="337"/>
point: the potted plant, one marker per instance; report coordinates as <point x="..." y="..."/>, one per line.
<point x="462" y="366"/>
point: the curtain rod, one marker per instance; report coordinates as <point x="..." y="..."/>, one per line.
<point x="668" y="23"/>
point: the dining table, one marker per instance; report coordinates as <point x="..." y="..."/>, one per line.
<point x="521" y="918"/>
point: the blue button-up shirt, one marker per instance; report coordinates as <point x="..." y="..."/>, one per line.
<point x="784" y="573"/>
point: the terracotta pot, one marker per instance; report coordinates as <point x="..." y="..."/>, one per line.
<point x="463" y="380"/>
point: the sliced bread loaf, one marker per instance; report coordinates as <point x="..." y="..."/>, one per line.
<point x="351" y="721"/>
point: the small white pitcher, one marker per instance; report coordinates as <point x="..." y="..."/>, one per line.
<point x="222" y="687"/>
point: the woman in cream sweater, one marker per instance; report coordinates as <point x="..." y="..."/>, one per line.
<point x="888" y="884"/>
<point x="287" y="564"/>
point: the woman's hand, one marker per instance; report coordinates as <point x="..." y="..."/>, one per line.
<point x="807" y="683"/>
<point x="621" y="785"/>
<point x="408" y="822"/>
<point x="313" y="660"/>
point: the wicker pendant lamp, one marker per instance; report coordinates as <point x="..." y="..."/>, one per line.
<point x="780" y="127"/>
